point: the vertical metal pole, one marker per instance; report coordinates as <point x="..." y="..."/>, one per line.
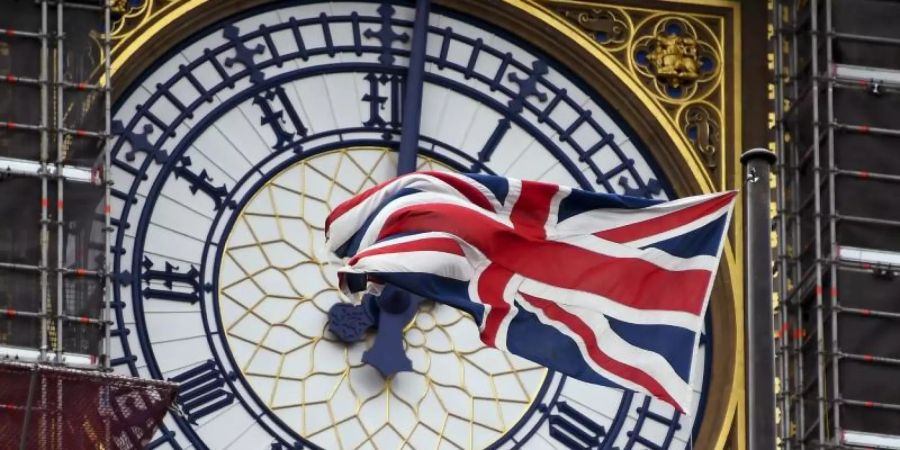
<point x="45" y="158"/>
<point x="60" y="147"/>
<point x="796" y="201"/>
<point x="107" y="225"/>
<point x="783" y="350"/>
<point x="412" y="100"/>
<point x="832" y="227"/>
<point x="760" y="322"/>
<point x="817" y="219"/>
<point x="23" y="439"/>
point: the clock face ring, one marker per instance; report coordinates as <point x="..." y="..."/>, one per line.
<point x="197" y="144"/>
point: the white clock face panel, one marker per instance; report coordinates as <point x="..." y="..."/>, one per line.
<point x="233" y="149"/>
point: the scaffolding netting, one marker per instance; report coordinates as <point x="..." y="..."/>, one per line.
<point x="49" y="408"/>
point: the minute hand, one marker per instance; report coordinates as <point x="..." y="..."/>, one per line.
<point x="412" y="100"/>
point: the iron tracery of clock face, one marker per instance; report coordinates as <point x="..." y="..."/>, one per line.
<point x="208" y="140"/>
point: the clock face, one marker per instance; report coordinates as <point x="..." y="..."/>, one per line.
<point x="234" y="148"/>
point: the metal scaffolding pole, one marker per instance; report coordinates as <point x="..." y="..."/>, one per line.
<point x="782" y="350"/>
<point x="832" y="229"/>
<point x="107" y="185"/>
<point x="60" y="183"/>
<point x="44" y="157"/>
<point x="817" y="220"/>
<point x="795" y="335"/>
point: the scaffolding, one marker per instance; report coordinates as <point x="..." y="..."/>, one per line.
<point x="54" y="132"/>
<point x="837" y="222"/>
<point x="56" y="391"/>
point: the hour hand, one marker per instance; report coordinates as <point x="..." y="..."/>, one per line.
<point x="396" y="309"/>
<point x="389" y="313"/>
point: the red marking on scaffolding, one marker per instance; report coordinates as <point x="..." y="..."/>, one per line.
<point x="82" y="86"/>
<point x="9" y="407"/>
<point x="834" y="292"/>
<point x="867" y="358"/>
<point x="784" y="328"/>
<point x="81" y="133"/>
<point x="818" y="290"/>
<point x="866" y="266"/>
<point x="107" y="209"/>
<point x="869" y="404"/>
<point x="864" y="174"/>
<point x="11" y="312"/>
<point x="80" y="272"/>
<point x="864" y="129"/>
<point x="867" y="312"/>
<point x="44" y="202"/>
<point x="83" y="319"/>
<point x="11" y="125"/>
<point x="59" y="204"/>
<point x="800" y="333"/>
<point x="10" y="32"/>
<point x="11" y="78"/>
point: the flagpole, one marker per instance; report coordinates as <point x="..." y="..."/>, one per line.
<point x="760" y="321"/>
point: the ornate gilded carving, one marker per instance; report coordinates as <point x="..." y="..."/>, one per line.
<point x="676" y="56"/>
<point x="674" y="60"/>
<point x="133" y="17"/>
<point x="610" y="27"/>
<point x="120" y="6"/>
<point x="701" y="125"/>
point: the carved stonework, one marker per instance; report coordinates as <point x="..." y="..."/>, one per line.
<point x="674" y="60"/>
<point x="610" y="27"/>
<point x="701" y="125"/>
<point x="132" y="17"/>
<point x="677" y="56"/>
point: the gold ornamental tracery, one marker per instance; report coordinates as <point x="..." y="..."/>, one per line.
<point x="276" y="286"/>
<point x="677" y="58"/>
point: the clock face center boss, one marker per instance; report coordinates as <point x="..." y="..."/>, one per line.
<point x="277" y="285"/>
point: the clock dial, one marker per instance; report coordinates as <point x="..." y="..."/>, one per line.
<point x="232" y="150"/>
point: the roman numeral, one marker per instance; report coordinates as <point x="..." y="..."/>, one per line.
<point x="378" y="100"/>
<point x="653" y="187"/>
<point x="170" y="279"/>
<point x="167" y="437"/>
<point x="573" y="429"/>
<point x="202" y="182"/>
<point x="203" y="391"/>
<point x="667" y="423"/>
<point x="503" y="125"/>
<point x="131" y="408"/>
<point x="274" y="117"/>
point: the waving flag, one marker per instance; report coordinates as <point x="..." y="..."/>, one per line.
<point x="608" y="289"/>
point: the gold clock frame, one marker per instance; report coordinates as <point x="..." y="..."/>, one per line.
<point x="562" y="29"/>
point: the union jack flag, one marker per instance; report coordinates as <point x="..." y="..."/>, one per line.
<point x="608" y="289"/>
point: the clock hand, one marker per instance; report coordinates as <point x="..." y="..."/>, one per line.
<point x="397" y="307"/>
<point x="391" y="311"/>
<point x="412" y="100"/>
